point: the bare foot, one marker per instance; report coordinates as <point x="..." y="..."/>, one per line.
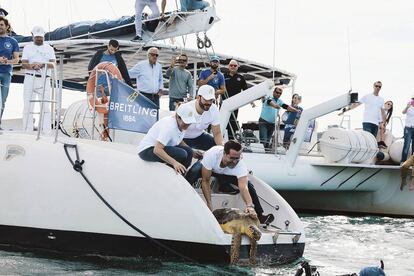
<point x="403" y="183"/>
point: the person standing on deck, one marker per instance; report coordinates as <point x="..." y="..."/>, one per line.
<point x="181" y="86"/>
<point x="235" y="83"/>
<point x="34" y="57"/>
<point x="149" y="76"/>
<point x="267" y="120"/>
<point x="374" y="112"/>
<point x="9" y="55"/>
<point x="213" y="77"/>
<point x="139" y="7"/>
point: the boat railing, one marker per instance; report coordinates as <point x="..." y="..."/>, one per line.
<point x="54" y="101"/>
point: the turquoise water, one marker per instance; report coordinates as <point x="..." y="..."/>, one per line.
<point x="335" y="244"/>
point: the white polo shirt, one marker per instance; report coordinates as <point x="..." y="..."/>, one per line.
<point x="38" y="54"/>
<point x="212" y="159"/>
<point x="373" y="105"/>
<point x="409" y="120"/>
<point x="165" y="131"/>
<point x="210" y="117"/>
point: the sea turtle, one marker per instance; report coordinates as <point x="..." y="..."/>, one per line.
<point x="235" y="221"/>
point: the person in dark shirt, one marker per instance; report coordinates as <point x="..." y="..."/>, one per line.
<point x="235" y="83"/>
<point x="113" y="55"/>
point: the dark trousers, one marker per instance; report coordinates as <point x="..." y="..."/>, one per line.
<point x="194" y="173"/>
<point x="182" y="154"/>
<point x="152" y="97"/>
<point x="408" y="139"/>
<point x="173" y="103"/>
<point x="203" y="142"/>
<point x="371" y="128"/>
<point x="232" y="126"/>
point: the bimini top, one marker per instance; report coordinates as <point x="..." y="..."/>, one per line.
<point x="76" y="55"/>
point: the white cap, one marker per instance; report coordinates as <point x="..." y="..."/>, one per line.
<point x="186" y="112"/>
<point x="38" y="31"/>
<point x="207" y="92"/>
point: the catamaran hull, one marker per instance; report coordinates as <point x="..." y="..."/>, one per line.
<point x="46" y="204"/>
<point x="314" y="185"/>
<point x="81" y="243"/>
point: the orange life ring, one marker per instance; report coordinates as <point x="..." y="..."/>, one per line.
<point x="100" y="103"/>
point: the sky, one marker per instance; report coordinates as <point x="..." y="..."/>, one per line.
<point x="320" y="41"/>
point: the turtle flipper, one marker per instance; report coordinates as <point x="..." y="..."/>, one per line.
<point x="252" y="253"/>
<point x="235" y="248"/>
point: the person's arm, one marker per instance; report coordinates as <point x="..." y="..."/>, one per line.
<point x="15" y="59"/>
<point x="190" y="86"/>
<point x="406" y="108"/>
<point x="26" y="65"/>
<point x="170" y="70"/>
<point x="290" y="108"/>
<point x="354" y="105"/>
<point x="93" y="62"/>
<point x="205" y="186"/>
<point x="218" y="137"/>
<point x="205" y="79"/>
<point x="244" y="191"/>
<point x="384" y="116"/>
<point x="134" y="71"/>
<point x="221" y="90"/>
<point x="160" y="81"/>
<point x="163" y="155"/>
<point x="123" y="69"/>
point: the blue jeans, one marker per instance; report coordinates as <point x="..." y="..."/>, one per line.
<point x="194" y="173"/>
<point x="5" y="79"/>
<point x="371" y="128"/>
<point x="189" y="5"/>
<point x="182" y="154"/>
<point x="173" y="102"/>
<point x="266" y="130"/>
<point x="203" y="142"/>
<point x="408" y="138"/>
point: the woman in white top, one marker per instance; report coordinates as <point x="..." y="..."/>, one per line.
<point x="388" y="108"/>
<point x="408" y="130"/>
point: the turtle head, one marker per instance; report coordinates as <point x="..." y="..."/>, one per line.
<point x="253" y="232"/>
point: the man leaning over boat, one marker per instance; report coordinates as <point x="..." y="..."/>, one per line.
<point x="164" y="141"/>
<point x="225" y="164"/>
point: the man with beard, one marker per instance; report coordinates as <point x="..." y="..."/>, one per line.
<point x="34" y="58"/>
<point x="9" y="54"/>
<point x="207" y="113"/>
<point x="213" y="77"/>
<point x="225" y="164"/>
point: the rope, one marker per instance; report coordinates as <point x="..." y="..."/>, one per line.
<point x="77" y="166"/>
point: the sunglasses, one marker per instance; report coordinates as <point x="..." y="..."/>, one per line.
<point x="154" y="55"/>
<point x="236" y="158"/>
<point x="182" y="60"/>
<point x="279" y="93"/>
<point x="233" y="65"/>
<point x="378" y="86"/>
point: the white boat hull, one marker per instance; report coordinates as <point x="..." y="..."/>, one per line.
<point x="46" y="204"/>
<point x="313" y="185"/>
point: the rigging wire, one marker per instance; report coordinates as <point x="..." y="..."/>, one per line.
<point x="274" y="42"/>
<point x="112" y="8"/>
<point x="349" y="60"/>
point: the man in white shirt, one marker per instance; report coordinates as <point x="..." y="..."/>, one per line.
<point x="164" y="141"/>
<point x="225" y="164"/>
<point x="207" y="113"/>
<point x="34" y="58"/>
<point x="374" y="112"/>
<point x="149" y="76"/>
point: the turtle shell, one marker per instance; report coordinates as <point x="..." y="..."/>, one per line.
<point x="226" y="215"/>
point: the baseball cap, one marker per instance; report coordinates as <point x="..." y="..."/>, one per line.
<point x="214" y="58"/>
<point x="38" y="31"/>
<point x="207" y="92"/>
<point x="186" y="112"/>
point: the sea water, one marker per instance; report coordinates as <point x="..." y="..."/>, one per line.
<point x="334" y="244"/>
